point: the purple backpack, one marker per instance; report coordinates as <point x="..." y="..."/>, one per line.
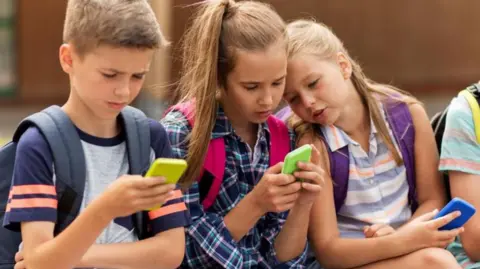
<point x="400" y="120"/>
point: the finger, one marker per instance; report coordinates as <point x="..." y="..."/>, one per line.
<point x="276" y="169"/>
<point x="442" y="221"/>
<point x="146" y="203"/>
<point x="287" y="199"/>
<point x="427" y="216"/>
<point x="309" y="176"/>
<point x="386" y="230"/>
<point x="157" y="190"/>
<point x="18" y="256"/>
<point x="292" y="188"/>
<point x="149" y="182"/>
<point x="446" y="243"/>
<point x="311" y="187"/>
<point x="283" y="180"/>
<point x="447" y="235"/>
<point x="373" y="229"/>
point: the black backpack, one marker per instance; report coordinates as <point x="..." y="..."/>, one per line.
<point x="438" y="121"/>
<point x="69" y="162"/>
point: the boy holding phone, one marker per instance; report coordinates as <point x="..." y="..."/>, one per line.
<point x="107" y="50"/>
<point x="460" y="157"/>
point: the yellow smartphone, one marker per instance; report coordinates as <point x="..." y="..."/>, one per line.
<point x="171" y="169"/>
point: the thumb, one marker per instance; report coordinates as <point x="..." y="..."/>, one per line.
<point x="276" y="169"/>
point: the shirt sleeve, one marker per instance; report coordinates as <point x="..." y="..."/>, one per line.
<point x="32" y="194"/>
<point x="208" y="241"/>
<point x="173" y="213"/>
<point x="460" y="150"/>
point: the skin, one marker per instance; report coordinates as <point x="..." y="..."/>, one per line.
<point x="103" y="81"/>
<point x="254" y="89"/>
<point x="320" y="91"/>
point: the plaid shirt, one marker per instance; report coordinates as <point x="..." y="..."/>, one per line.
<point x="209" y="244"/>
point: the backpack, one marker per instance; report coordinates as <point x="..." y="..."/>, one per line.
<point x="400" y="120"/>
<point x="438" y="121"/>
<point x="211" y="176"/>
<point x="69" y="163"/>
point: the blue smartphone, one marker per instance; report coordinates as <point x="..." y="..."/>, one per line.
<point x="456" y="204"/>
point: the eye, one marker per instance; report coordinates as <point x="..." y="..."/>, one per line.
<point x="313" y="84"/>
<point x="139" y="76"/>
<point x="251" y="87"/>
<point x="278" y="83"/>
<point x="109" y="75"/>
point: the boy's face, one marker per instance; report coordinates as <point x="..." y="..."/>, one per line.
<point x="106" y="79"/>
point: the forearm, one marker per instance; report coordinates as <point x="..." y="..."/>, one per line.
<point x="291" y="241"/>
<point x="242" y="218"/>
<point x="69" y="246"/>
<point x="338" y="252"/>
<point x="161" y="251"/>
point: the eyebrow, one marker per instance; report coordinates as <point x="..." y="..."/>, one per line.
<point x="258" y="82"/>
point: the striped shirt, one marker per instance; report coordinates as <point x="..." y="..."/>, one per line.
<point x="460" y="152"/>
<point x="377" y="188"/>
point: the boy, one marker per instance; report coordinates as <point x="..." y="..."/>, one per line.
<point x="107" y="50"/>
<point x="460" y="157"/>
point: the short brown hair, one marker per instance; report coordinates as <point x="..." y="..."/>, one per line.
<point x="120" y="23"/>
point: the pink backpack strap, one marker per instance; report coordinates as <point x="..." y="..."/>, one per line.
<point x="187" y="109"/>
<point x="279" y="140"/>
<point x="214" y="160"/>
<point x="215" y="163"/>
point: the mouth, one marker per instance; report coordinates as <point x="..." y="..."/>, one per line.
<point x="265" y="112"/>
<point x="116" y="105"/>
<point x="318" y="113"/>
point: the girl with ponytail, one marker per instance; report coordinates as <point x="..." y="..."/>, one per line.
<point x="233" y="78"/>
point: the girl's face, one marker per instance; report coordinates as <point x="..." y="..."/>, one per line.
<point x="318" y="90"/>
<point x="255" y="86"/>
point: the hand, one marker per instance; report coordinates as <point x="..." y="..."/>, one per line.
<point x="130" y="194"/>
<point x="312" y="177"/>
<point x="275" y="192"/>
<point x="377" y="230"/>
<point x="423" y="231"/>
<point x="19" y="262"/>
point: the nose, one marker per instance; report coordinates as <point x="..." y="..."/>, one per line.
<point x="122" y="89"/>
<point x="267" y="98"/>
<point x="308" y="100"/>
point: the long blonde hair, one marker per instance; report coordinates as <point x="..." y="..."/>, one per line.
<point x="217" y="30"/>
<point x="316" y="39"/>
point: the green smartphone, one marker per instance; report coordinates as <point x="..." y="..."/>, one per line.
<point x="171" y="169"/>
<point x="301" y="154"/>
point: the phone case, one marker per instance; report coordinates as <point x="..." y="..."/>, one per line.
<point x="457" y="204"/>
<point x="301" y="154"/>
<point x="171" y="169"/>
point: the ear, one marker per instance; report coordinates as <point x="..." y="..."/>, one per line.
<point x="345" y="65"/>
<point x="66" y="58"/>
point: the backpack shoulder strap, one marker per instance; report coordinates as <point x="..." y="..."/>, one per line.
<point x="401" y="122"/>
<point x="68" y="158"/>
<point x="339" y="171"/>
<point x="137" y="130"/>
<point x="137" y="134"/>
<point x="279" y="140"/>
<point x="472" y="94"/>
<point x="215" y="158"/>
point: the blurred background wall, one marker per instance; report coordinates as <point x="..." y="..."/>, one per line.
<point x="427" y="47"/>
